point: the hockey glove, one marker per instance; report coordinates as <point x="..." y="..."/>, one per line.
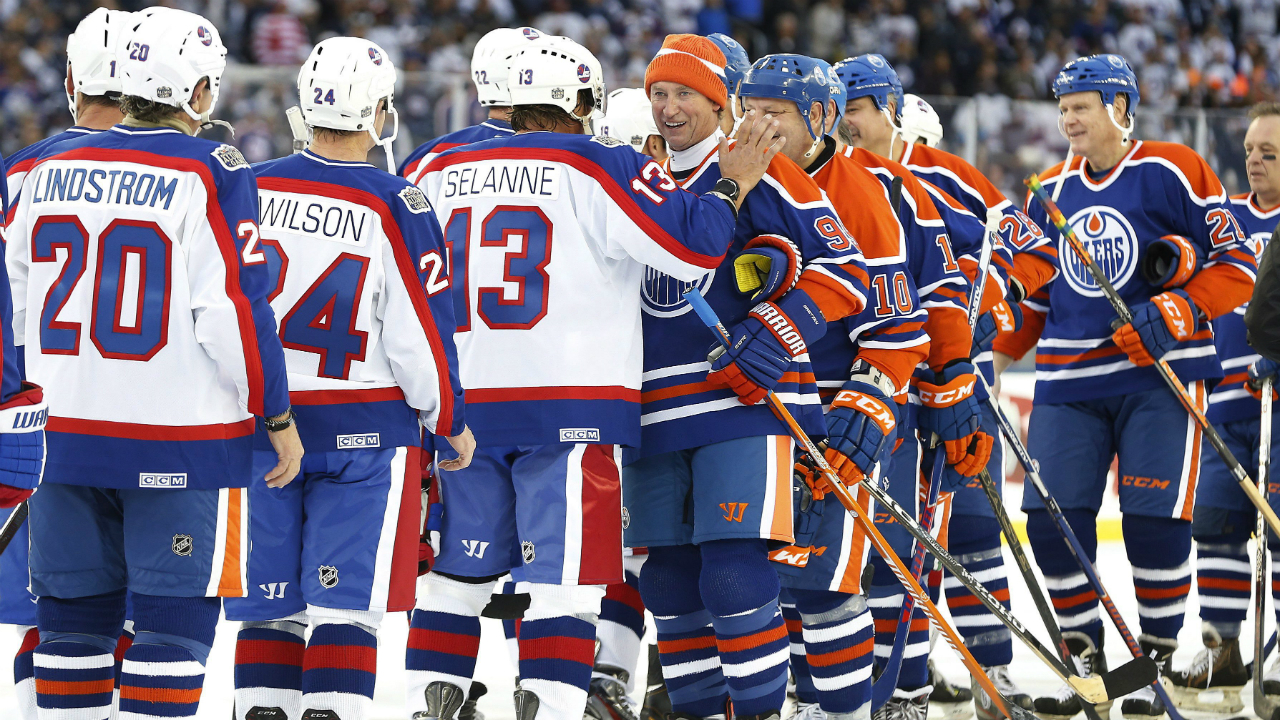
<point x="1260" y="370"/>
<point x="1157" y="327"/>
<point x="1003" y="318"/>
<point x="950" y="410"/>
<point x="763" y="345"/>
<point x="861" y="427"/>
<point x="22" y="421"/>
<point x="432" y="517"/>
<point x="767" y="268"/>
<point x="1171" y="261"/>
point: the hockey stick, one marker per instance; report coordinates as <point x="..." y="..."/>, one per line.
<point x="1032" y="469"/>
<point x="297" y="128"/>
<point x="11" y="526"/>
<point x="1166" y="372"/>
<point x="1263" y="706"/>
<point x="883" y="688"/>
<point x="1121" y="681"/>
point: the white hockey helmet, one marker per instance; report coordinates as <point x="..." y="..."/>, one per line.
<point x="491" y="60"/>
<point x="551" y="71"/>
<point x="341" y="84"/>
<point x="920" y="121"/>
<point x="168" y="53"/>
<point x="94" y="52"/>
<point x="630" y="118"/>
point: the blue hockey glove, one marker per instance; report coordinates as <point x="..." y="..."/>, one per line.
<point x="22" y="421"/>
<point x="763" y="345"/>
<point x="1260" y="370"/>
<point x="861" y="427"/>
<point x="949" y="409"/>
<point x="767" y="268"/>
<point x="1003" y="318"/>
<point x="1158" y="326"/>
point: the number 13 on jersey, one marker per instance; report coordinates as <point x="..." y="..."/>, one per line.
<point x="503" y="273"/>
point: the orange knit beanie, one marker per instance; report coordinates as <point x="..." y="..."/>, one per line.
<point x="692" y="61"/>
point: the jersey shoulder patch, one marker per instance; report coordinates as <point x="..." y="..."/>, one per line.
<point x="414" y="200"/>
<point x="229" y="157"/>
<point x="606" y="141"/>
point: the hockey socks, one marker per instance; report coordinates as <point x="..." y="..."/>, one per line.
<point x="1224" y="583"/>
<point x="24" y="679"/>
<point x="1160" y="551"/>
<point x="740" y="589"/>
<point x="1074" y="601"/>
<point x="163" y="670"/>
<point x="839" y="647"/>
<point x="805" y="691"/>
<point x="885" y="600"/>
<point x="686" y="639"/>
<point x="339" y="667"/>
<point x="269" y="665"/>
<point x="975" y="543"/>
<point x="621" y="624"/>
<point x="444" y="635"/>
<point x="73" y="665"/>
<point x="556" y="654"/>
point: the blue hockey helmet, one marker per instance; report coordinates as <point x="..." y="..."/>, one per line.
<point x="872" y="76"/>
<point x="839" y="93"/>
<point x="1107" y="74"/>
<point x="736" y="61"/>
<point x="799" y="79"/>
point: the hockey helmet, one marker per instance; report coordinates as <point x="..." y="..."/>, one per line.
<point x="799" y="79"/>
<point x="491" y="59"/>
<point x="341" y="84"/>
<point x="630" y="118"/>
<point x="920" y="121"/>
<point x="94" y="52"/>
<point x="168" y="52"/>
<point x="551" y="71"/>
<point x="1107" y="74"/>
<point x="872" y="76"/>
<point x="735" y="69"/>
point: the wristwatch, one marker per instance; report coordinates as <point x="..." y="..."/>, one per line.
<point x="278" y="425"/>
<point x="729" y="190"/>
<point x="864" y="371"/>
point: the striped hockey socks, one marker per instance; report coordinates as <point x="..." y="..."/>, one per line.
<point x="838" y="641"/>
<point x="269" y="666"/>
<point x="339" y="667"/>
<point x="975" y="543"/>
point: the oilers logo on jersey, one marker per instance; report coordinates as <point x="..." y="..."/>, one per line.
<point x="663" y="295"/>
<point x="1111" y="241"/>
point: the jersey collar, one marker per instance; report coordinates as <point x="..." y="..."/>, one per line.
<point x="1111" y="175"/>
<point x="1257" y="210"/>
<point x="695" y="156"/>
<point x="334" y="163"/>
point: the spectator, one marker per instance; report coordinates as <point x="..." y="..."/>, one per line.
<point x="280" y="38"/>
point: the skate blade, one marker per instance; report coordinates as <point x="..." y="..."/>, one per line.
<point x="950" y="711"/>
<point x="1213" y="700"/>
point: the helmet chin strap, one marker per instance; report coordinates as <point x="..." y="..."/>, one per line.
<point x="387" y="142"/>
<point x="817" y="136"/>
<point x="205" y="120"/>
<point x="895" y="133"/>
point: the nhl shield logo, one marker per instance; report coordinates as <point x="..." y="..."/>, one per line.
<point x="182" y="545"/>
<point x="626" y="518"/>
<point x="1111" y="241"/>
<point x="328" y="576"/>
<point x="526" y="549"/>
<point x="663" y="296"/>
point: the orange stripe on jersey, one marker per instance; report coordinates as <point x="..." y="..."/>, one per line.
<point x="1203" y="181"/>
<point x="898" y="363"/>
<point x="930" y="157"/>
<point x="949" y="336"/>
<point x="863" y="207"/>
<point x="833" y="299"/>
<point x="1016" y="344"/>
<point x="780" y="525"/>
<point x="1067" y="359"/>
<point x="1032" y="271"/>
<point x="230" y="584"/>
<point x="925" y="210"/>
<point x="709" y="385"/>
<point x="794" y="180"/>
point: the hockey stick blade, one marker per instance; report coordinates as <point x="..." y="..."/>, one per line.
<point x="1129" y="677"/>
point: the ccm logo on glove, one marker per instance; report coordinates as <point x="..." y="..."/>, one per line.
<point x="949" y="394"/>
<point x="868" y="406"/>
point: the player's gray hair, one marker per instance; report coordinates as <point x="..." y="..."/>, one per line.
<point x="1263" y="109"/>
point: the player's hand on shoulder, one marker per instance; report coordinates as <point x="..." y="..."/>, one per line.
<point x="763" y="346"/>
<point x="861" y="427"/>
<point x="1260" y="370"/>
<point x="464" y="443"/>
<point x="748" y="159"/>
<point x="288" y="447"/>
<point x="950" y="410"/>
<point x="1157" y="327"/>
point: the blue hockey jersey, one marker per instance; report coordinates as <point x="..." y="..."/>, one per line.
<point x="681" y="408"/>
<point x="1230" y="400"/>
<point x="1157" y="189"/>
<point x="20" y="163"/>
<point x="359" y="289"/>
<point x="143" y="309"/>
<point x="414" y="167"/>
<point x="550" y="236"/>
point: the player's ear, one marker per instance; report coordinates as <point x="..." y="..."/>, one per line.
<point x="202" y="88"/>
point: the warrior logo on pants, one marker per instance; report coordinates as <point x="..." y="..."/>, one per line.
<point x="328" y="576"/>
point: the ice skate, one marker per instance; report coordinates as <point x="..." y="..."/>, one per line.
<point x="445" y="701"/>
<point x="1145" y="703"/>
<point x="1271" y="680"/>
<point x="1089" y="660"/>
<point x="905" y="705"/>
<point x="607" y="697"/>
<point x="948" y="701"/>
<point x="807" y="711"/>
<point x="1213" y="681"/>
<point x="999" y="675"/>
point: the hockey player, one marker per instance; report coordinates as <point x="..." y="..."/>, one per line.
<point x="736" y="65"/>
<point x="1097" y="396"/>
<point x="542" y="498"/>
<point x="145" y="471"/>
<point x="489" y="63"/>
<point x="711" y="493"/>
<point x="1223" y="519"/>
<point x="630" y="120"/>
<point x="367" y="327"/>
<point x="93" y="95"/>
<point x="879" y="347"/>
